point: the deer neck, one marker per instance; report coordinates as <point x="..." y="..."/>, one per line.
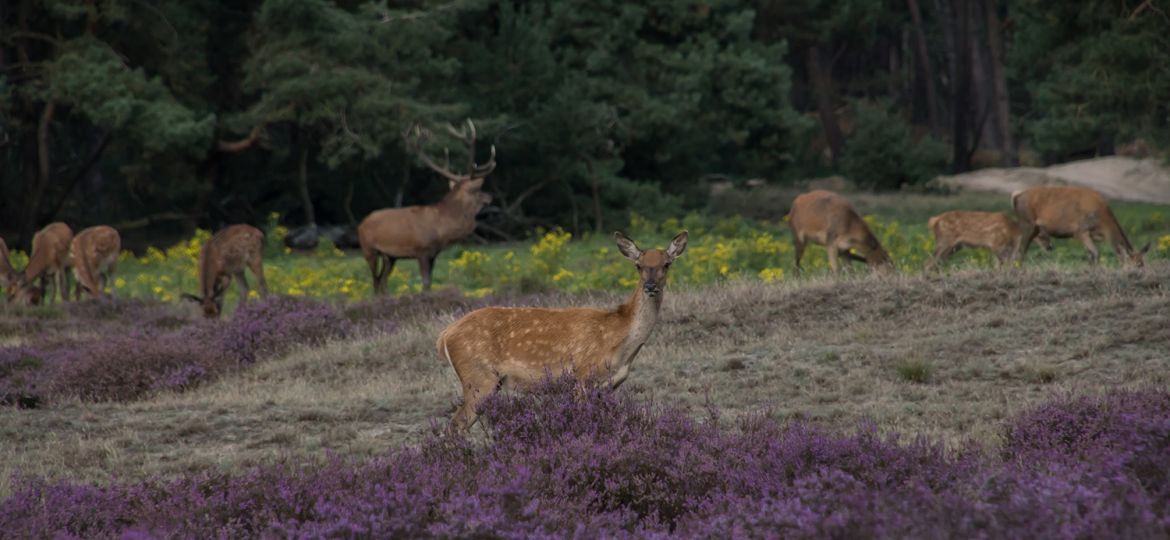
<point x="1116" y="235"/>
<point x="456" y="217"/>
<point x="641" y="314"/>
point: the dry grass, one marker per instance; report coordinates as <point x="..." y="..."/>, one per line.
<point x="947" y="357"/>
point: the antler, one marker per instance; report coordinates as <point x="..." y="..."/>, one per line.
<point x="466" y="134"/>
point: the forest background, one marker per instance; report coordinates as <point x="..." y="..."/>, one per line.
<point x="161" y="117"/>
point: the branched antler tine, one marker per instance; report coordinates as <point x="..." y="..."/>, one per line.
<point x="486" y="168"/>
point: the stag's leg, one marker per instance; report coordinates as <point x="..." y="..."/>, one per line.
<point x="426" y="264"/>
<point x="1090" y="246"/>
<point x="257" y="267"/>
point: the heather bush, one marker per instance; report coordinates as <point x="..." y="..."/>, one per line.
<point x="162" y="351"/>
<point x="562" y="461"/>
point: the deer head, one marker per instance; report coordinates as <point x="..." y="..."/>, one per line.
<point x="466" y="189"/>
<point x="652" y="264"/>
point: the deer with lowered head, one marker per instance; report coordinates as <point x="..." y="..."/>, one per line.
<point x="994" y="231"/>
<point x="520" y="346"/>
<point x="49" y="261"/>
<point x="223" y="258"/>
<point x="94" y="252"/>
<point x="1072" y="212"/>
<point x="826" y="218"/>
<point x="421" y="232"/>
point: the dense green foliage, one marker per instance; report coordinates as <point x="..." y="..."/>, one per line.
<point x="159" y="117"/>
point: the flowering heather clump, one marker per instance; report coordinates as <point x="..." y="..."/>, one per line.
<point x="118" y="365"/>
<point x="273" y="325"/>
<point x="566" y="462"/>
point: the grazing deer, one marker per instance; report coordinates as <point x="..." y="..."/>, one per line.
<point x="224" y="257"/>
<point x="49" y="261"/>
<point x="1072" y="212"/>
<point x="8" y="274"/>
<point x="826" y="218"/>
<point x="421" y="232"/>
<point x="94" y="252"/>
<point x="994" y="231"/>
<point x="521" y="346"/>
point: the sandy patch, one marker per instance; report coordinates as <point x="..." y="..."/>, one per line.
<point x="1144" y="180"/>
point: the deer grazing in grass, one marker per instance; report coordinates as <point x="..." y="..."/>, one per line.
<point x="994" y="231"/>
<point x="826" y="218"/>
<point x="497" y="346"/>
<point x="1072" y="212"/>
<point x="94" y="252"/>
<point x="421" y="232"/>
<point x="224" y="257"/>
<point x="49" y="261"/>
<point x="8" y="274"/>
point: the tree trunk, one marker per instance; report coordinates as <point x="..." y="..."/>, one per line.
<point x="961" y="125"/>
<point x="38" y="177"/>
<point x="595" y="189"/>
<point x="982" y="94"/>
<point x="303" y="186"/>
<point x="821" y="83"/>
<point x="1009" y="154"/>
<point x="924" y="70"/>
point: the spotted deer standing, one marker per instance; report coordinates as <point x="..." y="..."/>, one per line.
<point x="498" y="346"/>
<point x="994" y="231"/>
<point x="421" y="232"/>
<point x="1072" y="212"/>
<point x="826" y="218"/>
<point x="94" y="253"/>
<point x="49" y="262"/>
<point x="224" y="257"/>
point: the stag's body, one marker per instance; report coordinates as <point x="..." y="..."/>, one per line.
<point x="826" y="218"/>
<point x="1072" y="212"/>
<point x="94" y="252"/>
<point x="224" y="257"/>
<point x="48" y="261"/>
<point x="421" y="232"/>
<point x="994" y="231"/>
<point x="522" y="346"/>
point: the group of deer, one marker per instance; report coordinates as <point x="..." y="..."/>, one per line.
<point x="499" y="347"/>
<point x="91" y="254"/>
<point x="1045" y="212"/>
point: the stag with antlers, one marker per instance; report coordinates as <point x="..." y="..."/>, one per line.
<point x="421" y="232"/>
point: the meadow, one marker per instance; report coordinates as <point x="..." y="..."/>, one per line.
<point x="977" y="402"/>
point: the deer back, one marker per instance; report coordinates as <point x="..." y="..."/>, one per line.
<point x="226" y="254"/>
<point x="50" y="251"/>
<point x="93" y="251"/>
<point x="992" y="230"/>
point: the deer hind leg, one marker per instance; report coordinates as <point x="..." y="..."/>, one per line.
<point x="242" y="286"/>
<point x="798" y="251"/>
<point x="1028" y="233"/>
<point x="1090" y="246"/>
<point x="941" y="252"/>
<point x="257" y="266"/>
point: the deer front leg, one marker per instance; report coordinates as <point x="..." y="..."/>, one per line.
<point x="257" y="267"/>
<point x="1087" y="240"/>
<point x="242" y="287"/>
<point x="798" y="251"/>
<point x="834" y="253"/>
<point x="425" y="266"/>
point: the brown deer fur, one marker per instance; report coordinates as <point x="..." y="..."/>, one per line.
<point x="826" y="218"/>
<point x="49" y="261"/>
<point x="1072" y="212"/>
<point x="421" y="232"/>
<point x="223" y="258"/>
<point x="521" y="346"/>
<point x="94" y="252"/>
<point x="994" y="231"/>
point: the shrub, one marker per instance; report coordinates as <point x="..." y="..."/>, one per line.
<point x="562" y="461"/>
<point x="882" y="153"/>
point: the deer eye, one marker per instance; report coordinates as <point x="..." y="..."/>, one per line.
<point x="666" y="266"/>
<point x="638" y="266"/>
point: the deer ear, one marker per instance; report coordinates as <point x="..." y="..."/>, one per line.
<point x="191" y="297"/>
<point x="677" y="246"/>
<point x="1145" y="248"/>
<point x="451" y="185"/>
<point x="626" y="246"/>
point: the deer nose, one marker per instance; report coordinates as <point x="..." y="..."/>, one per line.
<point x="651" y="287"/>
